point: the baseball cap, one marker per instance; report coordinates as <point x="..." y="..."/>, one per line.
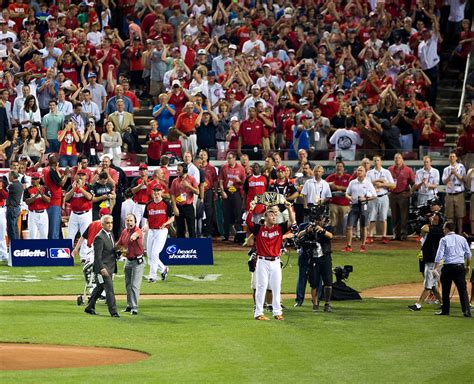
<point x="340" y="91"/>
<point x="143" y="166"/>
<point x="303" y="101"/>
<point x="211" y="73"/>
<point x="234" y="118"/>
<point x="157" y="187"/>
<point x="281" y="168"/>
<point x="36" y="175"/>
<point x="255" y="86"/>
<point x="291" y="50"/>
<point x="91" y="74"/>
<point x="104" y="211"/>
<point x="202" y="52"/>
<point x="267" y="65"/>
<point x="233" y="46"/>
<point x="176" y="82"/>
<point x="303" y="118"/>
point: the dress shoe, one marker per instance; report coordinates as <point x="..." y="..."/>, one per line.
<point x="467" y="314"/>
<point x="115" y="315"/>
<point x="128" y="309"/>
<point x="90" y="311"/>
<point x="441" y="313"/>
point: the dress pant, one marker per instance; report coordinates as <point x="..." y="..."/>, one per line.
<point x="303" y="267"/>
<point x="399" y="203"/>
<point x="432" y="74"/>
<point x="133" y="280"/>
<point x="232" y="207"/>
<point x="107" y="285"/>
<point x="209" y="210"/>
<point x="299" y="213"/>
<point x="187" y="217"/>
<point x="12" y="222"/>
<point x="454" y="273"/>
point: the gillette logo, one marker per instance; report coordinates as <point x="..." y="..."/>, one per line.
<point x="29" y="253"/>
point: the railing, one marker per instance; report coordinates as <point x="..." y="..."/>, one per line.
<point x="463" y="95"/>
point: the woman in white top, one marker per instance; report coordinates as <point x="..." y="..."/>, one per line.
<point x="111" y="141"/>
<point x="35" y="146"/>
<point x="30" y="113"/>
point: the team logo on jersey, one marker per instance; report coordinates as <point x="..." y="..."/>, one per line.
<point x="171" y="249"/>
<point x="59" y="253"/>
<point x="344" y="142"/>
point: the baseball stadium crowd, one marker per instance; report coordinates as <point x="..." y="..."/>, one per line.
<point x="234" y="81"/>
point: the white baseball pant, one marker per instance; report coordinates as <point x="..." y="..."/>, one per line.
<point x="155" y="242"/>
<point x="138" y="211"/>
<point x="268" y="273"/>
<point x="78" y="223"/>
<point x="38" y="224"/>
<point x="3" y="233"/>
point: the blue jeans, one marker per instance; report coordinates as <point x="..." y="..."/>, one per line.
<point x="53" y="146"/>
<point x="54" y="216"/>
<point x="12" y="222"/>
<point x="65" y="160"/>
<point x="302" y="278"/>
<point x="406" y="142"/>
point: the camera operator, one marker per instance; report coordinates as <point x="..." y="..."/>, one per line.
<point x="434" y="233"/>
<point x="314" y="250"/>
<point x="268" y="242"/>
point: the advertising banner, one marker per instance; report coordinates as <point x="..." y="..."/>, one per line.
<point x="187" y="252"/>
<point x="41" y="253"/>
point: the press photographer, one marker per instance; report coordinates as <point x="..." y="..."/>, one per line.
<point x="314" y="250"/>
<point x="421" y="215"/>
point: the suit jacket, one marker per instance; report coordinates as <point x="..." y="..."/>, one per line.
<point x="127" y="121"/>
<point x="104" y="253"/>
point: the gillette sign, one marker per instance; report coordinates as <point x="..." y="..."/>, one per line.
<point x="40" y="253"/>
<point x="187" y="252"/>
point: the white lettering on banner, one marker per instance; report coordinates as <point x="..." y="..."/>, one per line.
<point x="184" y="254"/>
<point x="210" y="277"/>
<point x="28" y="253"/>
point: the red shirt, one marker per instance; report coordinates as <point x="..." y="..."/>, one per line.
<point x="38" y="204"/>
<point x="157" y="213"/>
<point x="133" y="97"/>
<point x="182" y="194"/>
<point x="143" y="195"/>
<point x="251" y="132"/>
<point x="78" y="201"/>
<point x="91" y="232"/>
<point x="68" y="145"/>
<point x="3" y="194"/>
<point x="173" y="147"/>
<point x="402" y="176"/>
<point x="210" y="175"/>
<point x="341" y="181"/>
<point x="55" y="189"/>
<point x="288" y="125"/>
<point x="437" y="139"/>
<point x="178" y="100"/>
<point x="254" y="186"/>
<point x="108" y="61"/>
<point x="186" y="123"/>
<point x="267" y="240"/>
<point x="232" y="177"/>
<point x="134" y="247"/>
<point x="154" y="148"/>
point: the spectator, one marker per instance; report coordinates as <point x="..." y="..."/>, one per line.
<point x="34" y="147"/>
<point x="186" y="128"/>
<point x="30" y="113"/>
<point x="111" y="141"/>
<point x="68" y="138"/>
<point x="251" y="136"/>
<point x="164" y="112"/>
<point x="454" y="177"/>
<point x="52" y="123"/>
<point x="124" y="123"/>
<point x="339" y="204"/>
<point x="206" y="128"/>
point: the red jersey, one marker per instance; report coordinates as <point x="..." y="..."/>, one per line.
<point x="267" y="240"/>
<point x="232" y="177"/>
<point x="3" y="194"/>
<point x="173" y="147"/>
<point x="52" y="180"/>
<point x="341" y="181"/>
<point x="157" y="213"/>
<point x="182" y="194"/>
<point x="254" y="186"/>
<point x="143" y="195"/>
<point x="91" y="232"/>
<point x="154" y="148"/>
<point x="38" y="204"/>
<point x="211" y="176"/>
<point x="78" y="201"/>
<point x="251" y="132"/>
<point x="70" y="72"/>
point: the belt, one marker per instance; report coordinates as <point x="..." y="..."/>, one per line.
<point x="268" y="258"/>
<point x="38" y="211"/>
<point x="456" y="265"/>
<point x="382" y="195"/>
<point x="141" y="203"/>
<point x="455" y="193"/>
<point x="80" y="213"/>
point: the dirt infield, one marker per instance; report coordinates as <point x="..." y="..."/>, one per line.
<point x="19" y="357"/>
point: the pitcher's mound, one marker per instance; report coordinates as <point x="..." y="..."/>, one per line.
<point x="42" y="356"/>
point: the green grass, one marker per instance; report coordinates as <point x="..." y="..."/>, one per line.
<point x="373" y="341"/>
<point x="372" y="269"/>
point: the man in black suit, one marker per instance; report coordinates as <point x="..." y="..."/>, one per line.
<point x="105" y="266"/>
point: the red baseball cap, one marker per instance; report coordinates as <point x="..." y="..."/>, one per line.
<point x="143" y="166"/>
<point x="36" y="175"/>
<point x="281" y="168"/>
<point x="157" y="187"/>
<point x="104" y="211"/>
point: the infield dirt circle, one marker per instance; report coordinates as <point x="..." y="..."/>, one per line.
<point x="18" y="357"/>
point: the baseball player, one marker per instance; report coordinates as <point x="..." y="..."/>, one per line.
<point x="79" y="196"/>
<point x="158" y="214"/>
<point x="141" y="192"/>
<point x="268" y="241"/>
<point x="37" y="197"/>
<point x="3" y="222"/>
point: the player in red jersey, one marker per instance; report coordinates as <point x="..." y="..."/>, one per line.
<point x="159" y="215"/>
<point x="37" y="197"/>
<point x="141" y="192"/>
<point x="268" y="242"/>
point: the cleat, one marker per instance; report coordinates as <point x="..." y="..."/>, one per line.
<point x="279" y="317"/>
<point x="262" y="318"/>
<point x="414" y="308"/>
<point x="362" y="249"/>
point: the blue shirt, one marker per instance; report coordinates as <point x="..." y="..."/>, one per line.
<point x="453" y="249"/>
<point x="165" y="119"/>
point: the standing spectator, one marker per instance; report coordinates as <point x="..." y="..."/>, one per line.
<point x="164" y="113"/>
<point x="52" y="123"/>
<point x="403" y="117"/>
<point x="34" y="146"/>
<point x="345" y="142"/>
<point x="210" y="191"/>
<point x="251" y="134"/>
<point x="426" y="182"/>
<point x="154" y="140"/>
<point x="47" y="90"/>
<point x="131" y="241"/>
<point x="316" y="190"/>
<point x="470" y="186"/>
<point x="111" y="141"/>
<point x="231" y="180"/>
<point x="29" y="114"/>
<point x="359" y="192"/>
<point x="125" y="124"/>
<point x="186" y="127"/>
<point x="157" y="69"/>
<point x="206" y="128"/>
<point x="339" y="205"/>
<point x="13" y="201"/>
<point x="64" y="107"/>
<point x="68" y="139"/>
<point x="90" y="108"/>
<point x="306" y="175"/>
<point x="111" y="105"/>
<point x="79" y="118"/>
<point x="454" y="177"/>
<point x="182" y="192"/>
<point x="98" y="93"/>
<point x="37" y="197"/>
<point x="429" y="59"/>
<point x="399" y="197"/>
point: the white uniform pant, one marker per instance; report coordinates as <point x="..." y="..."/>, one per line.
<point x="155" y="242"/>
<point x="3" y="233"/>
<point x="138" y="211"/>
<point x="268" y="273"/>
<point x="189" y="143"/>
<point x="38" y="224"/>
<point x="79" y="223"/>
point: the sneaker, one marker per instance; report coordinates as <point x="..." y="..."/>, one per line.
<point x="134" y="312"/>
<point x="315" y="308"/>
<point x="327" y="307"/>
<point x="414" y="308"/>
<point x="347" y="248"/>
<point x="362" y="249"/>
<point x="281" y="318"/>
<point x="151" y="280"/>
<point x="262" y="318"/>
<point x="297" y="305"/>
<point x="384" y="240"/>
<point x="370" y="240"/>
<point x="165" y="274"/>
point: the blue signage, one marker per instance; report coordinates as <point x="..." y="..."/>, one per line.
<point x="187" y="252"/>
<point x="41" y="253"/>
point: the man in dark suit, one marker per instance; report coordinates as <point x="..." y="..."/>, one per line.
<point x="105" y="266"/>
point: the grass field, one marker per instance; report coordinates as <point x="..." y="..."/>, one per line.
<point x="216" y="341"/>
